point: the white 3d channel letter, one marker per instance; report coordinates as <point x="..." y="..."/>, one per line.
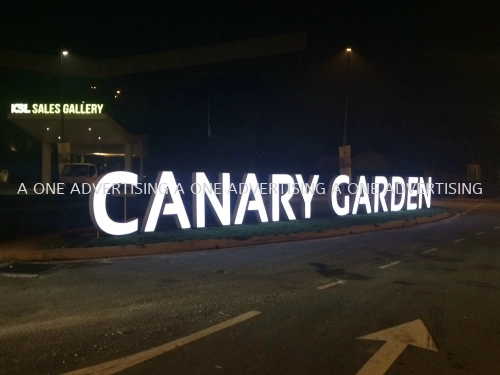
<point x="221" y="209"/>
<point x="424" y="191"/>
<point x="412" y="186"/>
<point x="334" y="189"/>
<point x="362" y="196"/>
<point x="397" y="186"/>
<point x="166" y="187"/>
<point x="276" y="181"/>
<point x="97" y="203"/>
<point x="243" y="204"/>
<point x="307" y="193"/>
<point x="381" y="186"/>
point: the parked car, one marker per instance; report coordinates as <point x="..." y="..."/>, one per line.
<point x="78" y="173"/>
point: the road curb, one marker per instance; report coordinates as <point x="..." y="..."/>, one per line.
<point x="196" y="245"/>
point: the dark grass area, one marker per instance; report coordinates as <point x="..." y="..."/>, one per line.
<point x="24" y="216"/>
<point x="246" y="231"/>
<point x="30" y="215"/>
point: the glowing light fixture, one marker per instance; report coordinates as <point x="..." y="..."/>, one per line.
<point x="107" y="154"/>
<point x="348" y="50"/>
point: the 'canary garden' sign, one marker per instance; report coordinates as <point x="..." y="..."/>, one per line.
<point x="345" y="197"/>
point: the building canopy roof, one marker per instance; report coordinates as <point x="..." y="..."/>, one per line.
<point x="93" y="133"/>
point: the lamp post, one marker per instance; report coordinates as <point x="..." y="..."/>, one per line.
<point x="63" y="53"/>
<point x="62" y="147"/>
<point x="346" y="97"/>
<point x="345" y="151"/>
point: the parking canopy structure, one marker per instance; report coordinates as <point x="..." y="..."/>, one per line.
<point x="89" y="134"/>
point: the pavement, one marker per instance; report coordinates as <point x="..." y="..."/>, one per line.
<point x="415" y="300"/>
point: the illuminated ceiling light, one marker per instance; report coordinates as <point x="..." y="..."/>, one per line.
<point x="107" y="154"/>
<point x="118" y="91"/>
<point x="58" y="137"/>
<point x="99" y="138"/>
<point x="116" y="96"/>
<point x="348" y="50"/>
<point x="47" y="128"/>
<point x="64" y="53"/>
<point x="90" y="129"/>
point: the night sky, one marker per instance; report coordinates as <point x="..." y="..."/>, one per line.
<point x="424" y="86"/>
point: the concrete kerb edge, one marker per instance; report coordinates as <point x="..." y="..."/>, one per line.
<point x="197" y="245"/>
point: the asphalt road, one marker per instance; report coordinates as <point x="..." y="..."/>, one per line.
<point x="293" y="308"/>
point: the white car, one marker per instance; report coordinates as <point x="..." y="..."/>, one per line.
<point x="78" y="173"/>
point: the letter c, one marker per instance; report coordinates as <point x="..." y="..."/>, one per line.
<point x="97" y="203"/>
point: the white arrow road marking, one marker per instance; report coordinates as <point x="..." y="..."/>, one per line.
<point x="331" y="284"/>
<point x="121" y="364"/>
<point x="478" y="234"/>
<point x="390" y="264"/>
<point x="397" y="339"/>
<point x="459" y="240"/>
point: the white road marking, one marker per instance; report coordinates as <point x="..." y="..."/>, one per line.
<point x="121" y="364"/>
<point x="396" y="340"/>
<point x="478" y="234"/>
<point x="459" y="240"/>
<point x="463" y="213"/>
<point x="331" y="284"/>
<point x="428" y="251"/>
<point x="496" y="228"/>
<point x="390" y="264"/>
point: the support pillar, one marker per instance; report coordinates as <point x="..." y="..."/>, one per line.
<point x="128" y="158"/>
<point x="46" y="163"/>
<point x="141" y="166"/>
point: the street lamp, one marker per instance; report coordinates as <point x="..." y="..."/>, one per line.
<point x="63" y="53"/>
<point x="346" y="96"/>
<point x="61" y="146"/>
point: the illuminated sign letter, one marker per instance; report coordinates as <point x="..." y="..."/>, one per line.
<point x="275" y="181"/>
<point x="19" y="108"/>
<point x="362" y="196"/>
<point x="397" y="186"/>
<point x="166" y="186"/>
<point x="412" y="186"/>
<point x="250" y="185"/>
<point x="97" y="203"/>
<point x="220" y="209"/>
<point x="425" y="191"/>
<point x="380" y="192"/>
<point x="334" y="190"/>
<point x="307" y="193"/>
